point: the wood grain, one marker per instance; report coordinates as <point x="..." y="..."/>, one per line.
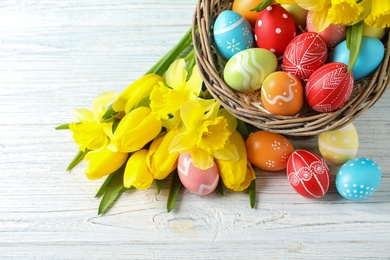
<point x="56" y="56"/>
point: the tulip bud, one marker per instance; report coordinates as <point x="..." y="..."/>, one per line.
<point x="236" y="175"/>
<point x="136" y="129"/>
<point x="160" y="161"/>
<point x="137" y="173"/>
<point x="135" y="92"/>
<point x="103" y="162"/>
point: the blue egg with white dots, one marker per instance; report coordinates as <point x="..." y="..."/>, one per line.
<point x="358" y="178"/>
<point x="232" y="33"/>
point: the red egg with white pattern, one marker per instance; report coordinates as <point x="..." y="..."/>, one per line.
<point x="200" y="182"/>
<point x="329" y="87"/>
<point x="274" y="29"/>
<point x="308" y="174"/>
<point x="305" y="54"/>
<point x="332" y="35"/>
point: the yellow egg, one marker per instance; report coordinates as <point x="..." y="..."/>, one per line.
<point x="370" y="31"/>
<point x="339" y="146"/>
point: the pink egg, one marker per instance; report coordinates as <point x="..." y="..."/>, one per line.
<point x="308" y="174"/>
<point x="329" y="87"/>
<point x="332" y="35"/>
<point x="201" y="182"/>
<point x="304" y="55"/>
<point x="274" y="29"/>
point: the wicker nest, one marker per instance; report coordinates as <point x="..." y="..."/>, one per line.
<point x="248" y="107"/>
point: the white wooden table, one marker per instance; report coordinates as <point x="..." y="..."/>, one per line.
<point x="56" y="56"/>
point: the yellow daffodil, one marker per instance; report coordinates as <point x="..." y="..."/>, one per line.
<point x="236" y="175"/>
<point x="103" y="162"/>
<point x="89" y="132"/>
<point x="135" y="92"/>
<point x="380" y="14"/>
<point x="160" y="161"/>
<point x="135" y="130"/>
<point x="137" y="173"/>
<point x="203" y="135"/>
<point x="165" y="101"/>
<point x="345" y="12"/>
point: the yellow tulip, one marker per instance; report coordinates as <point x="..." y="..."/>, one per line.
<point x="160" y="161"/>
<point x="135" y="92"/>
<point x="236" y="175"/>
<point x="135" y="130"/>
<point x="380" y="14"/>
<point x="103" y="162"/>
<point x="137" y="173"/>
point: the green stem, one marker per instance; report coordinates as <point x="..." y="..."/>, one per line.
<point x="162" y="65"/>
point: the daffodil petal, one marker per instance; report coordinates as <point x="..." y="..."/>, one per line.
<point x="320" y="20"/>
<point x="164" y="101"/>
<point x="191" y="113"/>
<point x="212" y="135"/>
<point x="194" y="84"/>
<point x="176" y="75"/>
<point x="103" y="100"/>
<point x="84" y="115"/>
<point x="183" y="142"/>
<point x="380" y="14"/>
<point x="286" y="2"/>
<point x="313" y="5"/>
<point x="232" y="120"/>
<point x="344" y="12"/>
<point x="201" y="159"/>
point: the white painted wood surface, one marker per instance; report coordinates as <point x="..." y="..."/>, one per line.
<point x="56" y="56"/>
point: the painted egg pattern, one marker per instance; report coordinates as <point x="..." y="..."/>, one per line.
<point x="274" y="29"/>
<point x="332" y="35"/>
<point x="308" y="174"/>
<point x="329" y="87"/>
<point x="305" y="54"/>
<point x="282" y="94"/>
<point x="339" y="146"/>
<point x="232" y="33"/>
<point x="200" y="182"/>
<point x="247" y="70"/>
<point x="358" y="179"/>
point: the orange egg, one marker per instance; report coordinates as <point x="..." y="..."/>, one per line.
<point x="244" y="7"/>
<point x="268" y="151"/>
<point x="282" y="94"/>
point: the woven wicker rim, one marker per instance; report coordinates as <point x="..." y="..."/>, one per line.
<point x="307" y="123"/>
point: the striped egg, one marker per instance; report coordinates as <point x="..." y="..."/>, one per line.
<point x="339" y="146"/>
<point x="247" y="70"/>
<point x="308" y="174"/>
<point x="232" y="33"/>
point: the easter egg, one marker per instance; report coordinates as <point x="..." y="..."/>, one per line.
<point x="332" y="35"/>
<point x="201" y="182"/>
<point x="308" y="174"/>
<point x="329" y="87"/>
<point x="268" y="151"/>
<point x="358" y="179"/>
<point x="375" y="32"/>
<point x="247" y="70"/>
<point x="244" y="8"/>
<point x="339" y="146"/>
<point x="274" y="29"/>
<point x="232" y="33"/>
<point x="298" y="14"/>
<point x="370" y="56"/>
<point x="305" y="54"/>
<point x="282" y="94"/>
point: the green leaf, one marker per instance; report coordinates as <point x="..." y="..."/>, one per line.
<point x="174" y="191"/>
<point x="252" y="193"/>
<point x="262" y="5"/>
<point x="243" y="129"/>
<point x="112" y="191"/>
<point x="354" y="41"/>
<point x="62" y="127"/>
<point x="78" y="157"/>
<point x="109" y="113"/>
<point x="104" y="186"/>
<point x="159" y="184"/>
<point x="219" y="188"/>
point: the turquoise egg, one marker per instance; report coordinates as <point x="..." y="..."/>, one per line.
<point x="232" y="33"/>
<point x="358" y="178"/>
<point x="370" y="56"/>
<point x="247" y="70"/>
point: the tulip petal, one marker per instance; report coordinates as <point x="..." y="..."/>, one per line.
<point x="137" y="174"/>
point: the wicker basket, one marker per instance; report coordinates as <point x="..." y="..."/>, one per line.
<point x="248" y="107"/>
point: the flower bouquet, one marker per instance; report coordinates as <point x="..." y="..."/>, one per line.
<point x="170" y="125"/>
